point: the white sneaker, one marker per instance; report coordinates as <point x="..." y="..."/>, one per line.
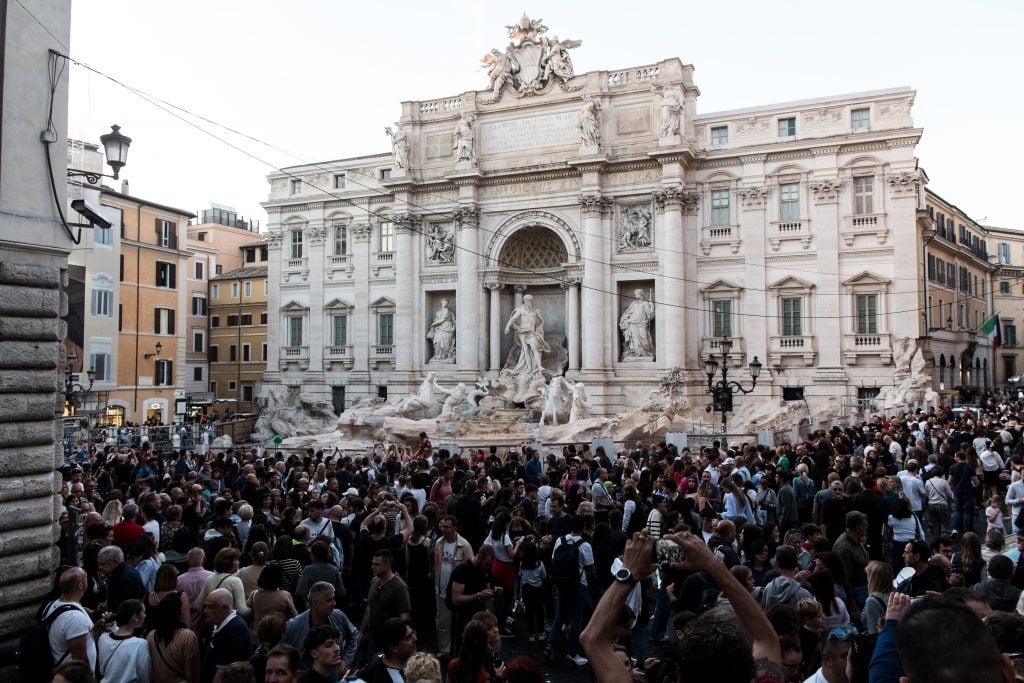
<point x="578" y="660"/>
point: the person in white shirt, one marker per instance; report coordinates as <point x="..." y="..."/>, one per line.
<point x="1015" y="498"/>
<point x="836" y="647"/>
<point x="70" y="633"/>
<point x="317" y="525"/>
<point x="123" y="657"/>
<point x="913" y="488"/>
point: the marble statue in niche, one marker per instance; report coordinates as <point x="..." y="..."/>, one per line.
<point x="671" y="111"/>
<point x="529" y="337"/>
<point x="589" y="123"/>
<point x="635" y="324"/>
<point x="465" y="137"/>
<point x="399" y="145"/>
<point x="442" y="334"/>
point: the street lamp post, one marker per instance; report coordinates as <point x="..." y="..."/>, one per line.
<point x="72" y="389"/>
<point x="722" y="390"/>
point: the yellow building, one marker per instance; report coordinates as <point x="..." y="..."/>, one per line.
<point x="238" y="330"/>
<point x="150" y="345"/>
<point x="1008" y="298"/>
<point x="958" y="295"/>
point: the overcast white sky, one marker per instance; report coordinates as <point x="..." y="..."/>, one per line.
<point x="321" y="78"/>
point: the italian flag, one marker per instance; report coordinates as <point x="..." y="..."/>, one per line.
<point x="990" y="328"/>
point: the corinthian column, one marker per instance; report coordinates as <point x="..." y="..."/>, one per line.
<point x="595" y="286"/>
<point x="467" y="303"/>
<point x="672" y="314"/>
<point x="405" y="271"/>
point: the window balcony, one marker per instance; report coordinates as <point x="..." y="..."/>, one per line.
<point x="710" y="346"/>
<point x="712" y="235"/>
<point x="298" y="355"/>
<point x="340" y="263"/>
<point x="340" y="354"/>
<point x="856" y="345"/>
<point x="296" y="267"/>
<point x="781" y="231"/>
<point x="295" y="264"/>
<point x="867" y="224"/>
<point x="382" y="353"/>
<point x="800" y="346"/>
<point x="386" y="257"/>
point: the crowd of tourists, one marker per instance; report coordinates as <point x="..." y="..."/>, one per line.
<point x="871" y="552"/>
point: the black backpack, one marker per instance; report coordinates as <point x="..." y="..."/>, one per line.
<point x="638" y="520"/>
<point x="34" y="657"/>
<point x="565" y="562"/>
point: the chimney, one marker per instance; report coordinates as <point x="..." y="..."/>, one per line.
<point x="124" y="186"/>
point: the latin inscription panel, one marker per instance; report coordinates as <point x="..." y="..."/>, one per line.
<point x="510" y="135"/>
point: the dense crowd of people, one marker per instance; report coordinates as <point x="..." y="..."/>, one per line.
<point x="862" y="553"/>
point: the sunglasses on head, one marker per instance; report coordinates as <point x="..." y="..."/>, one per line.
<point x="841" y="633"/>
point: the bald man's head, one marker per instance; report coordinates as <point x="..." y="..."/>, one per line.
<point x="73" y="583"/>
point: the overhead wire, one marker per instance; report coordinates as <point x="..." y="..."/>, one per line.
<point x="168" y="107"/>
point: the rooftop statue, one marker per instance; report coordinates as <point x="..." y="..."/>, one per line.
<point x="531" y="62"/>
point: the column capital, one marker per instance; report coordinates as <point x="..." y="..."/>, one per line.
<point x="676" y="196"/>
<point x="595" y="204"/>
<point x="405" y="222"/>
<point x="315" y="233"/>
<point x="521" y="289"/>
<point x="360" y="232"/>
<point x="274" y="239"/>
<point x="569" y="282"/>
<point x="826" y="191"/>
<point x="493" y="286"/>
<point x="466" y="215"/>
<point x="753" y="197"/>
<point x="903" y="184"/>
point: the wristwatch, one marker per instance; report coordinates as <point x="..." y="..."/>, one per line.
<point x="625" y="576"/>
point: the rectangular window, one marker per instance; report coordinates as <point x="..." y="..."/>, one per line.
<point x="100" y="362"/>
<point x="250" y="256"/>
<point x="120" y="317"/>
<point x="164" y="373"/>
<point x="864" y="194"/>
<point x="860" y="118"/>
<point x="247" y="393"/>
<point x="213" y="388"/>
<point x="163" y="321"/>
<point x="200" y="237"/>
<point x="166" y="275"/>
<point x="720" y="207"/>
<point x="1004" y="287"/>
<point x="102" y="302"/>
<point x="234" y="290"/>
<point x="1004" y="253"/>
<point x="789" y="202"/>
<point x="199" y="270"/>
<point x="166" y="234"/>
<point x="386" y="329"/>
<point x="103" y="236"/>
<point x="339" y="325"/>
<point x="787" y="127"/>
<point x="338" y="399"/>
<point x="719" y="135"/>
<point x="197" y="374"/>
<point x="931" y="267"/>
<point x="296" y="186"/>
<point x="263" y="353"/>
<point x="218" y="269"/>
<point x="198" y="341"/>
<point x="296" y="244"/>
<point x="1009" y="331"/>
<point x="867" y="314"/>
<point x="215" y="321"/>
<point x="232" y="385"/>
<point x="215" y="291"/>
<point x="340" y="240"/>
<point x="792" y="320"/>
<point x="233" y="320"/>
<point x="950" y="274"/>
<point x="246" y="319"/>
<point x="385" y="174"/>
<point x="386" y="245"/>
<point x="263" y="318"/>
<point x="721" y="318"/>
<point x="965" y="280"/>
<point x="198" y="305"/>
<point x="232" y="353"/>
<point x="246" y="352"/>
<point x="213" y="354"/>
<point x="247" y="288"/>
<point x="295" y="331"/>
<point x="122" y="267"/>
<point x="339" y="181"/>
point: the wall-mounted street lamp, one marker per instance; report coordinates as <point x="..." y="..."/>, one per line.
<point x="115" y="148"/>
<point x="73" y="390"/>
<point x="159" y="348"/>
<point x="724" y="389"/>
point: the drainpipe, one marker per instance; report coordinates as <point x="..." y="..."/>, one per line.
<point x="138" y="301"/>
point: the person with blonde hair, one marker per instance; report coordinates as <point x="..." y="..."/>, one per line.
<point x="423" y="667"/>
<point x="112" y="512"/>
<point x="879" y="587"/>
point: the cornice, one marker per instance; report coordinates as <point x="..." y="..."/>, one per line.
<point x="791" y="258"/>
<point x="864" y="253"/>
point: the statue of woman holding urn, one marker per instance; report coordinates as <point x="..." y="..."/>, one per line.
<point x="442" y="333"/>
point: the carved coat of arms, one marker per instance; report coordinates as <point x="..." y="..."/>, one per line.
<point x="531" y="62"/>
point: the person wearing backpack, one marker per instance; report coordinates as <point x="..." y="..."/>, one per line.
<point x="69" y="632"/>
<point x="572" y="564"/>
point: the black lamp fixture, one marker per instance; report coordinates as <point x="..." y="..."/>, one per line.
<point x="159" y="348"/>
<point x="115" y="148"/>
<point x="74" y="389"/>
<point x="724" y="389"/>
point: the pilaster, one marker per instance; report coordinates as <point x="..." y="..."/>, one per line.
<point x="594" y="207"/>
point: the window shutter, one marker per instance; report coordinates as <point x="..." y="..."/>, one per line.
<point x="170" y="321"/>
<point x="156" y="321"/>
<point x="173" y="235"/>
<point x="169" y="369"/>
<point x="159" y="232"/>
<point x="172" y="272"/>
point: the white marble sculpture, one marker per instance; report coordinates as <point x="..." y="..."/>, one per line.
<point x="634" y="229"/>
<point x="589" y="123"/>
<point x="556" y="399"/>
<point x="635" y="324"/>
<point x="556" y="61"/>
<point x="440" y="245"/>
<point x="442" y="334"/>
<point x="425" y="403"/>
<point x="529" y="337"/>
<point x="465" y="138"/>
<point x="454" y="402"/>
<point x="671" y="111"/>
<point x="501" y="69"/>
<point x="399" y="145"/>
<point x="580" y="403"/>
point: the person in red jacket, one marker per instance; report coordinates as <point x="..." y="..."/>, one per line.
<point x="127" y="531"/>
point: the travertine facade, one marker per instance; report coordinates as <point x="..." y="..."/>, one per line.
<point x="791" y="228"/>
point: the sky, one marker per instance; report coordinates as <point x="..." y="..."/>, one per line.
<point x="318" y="80"/>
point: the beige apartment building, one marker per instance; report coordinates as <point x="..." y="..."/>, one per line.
<point x="1008" y="296"/>
<point x="238" y="331"/>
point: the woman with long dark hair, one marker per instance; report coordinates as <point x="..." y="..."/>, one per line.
<point x="471" y="664"/>
<point x="173" y="648"/>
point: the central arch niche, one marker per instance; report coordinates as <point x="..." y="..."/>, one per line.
<point x="533" y="248"/>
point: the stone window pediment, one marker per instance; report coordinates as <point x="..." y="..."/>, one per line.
<point x="294" y="307"/>
<point x="338" y="306"/>
<point x="867" y="282"/>
<point x="383" y="304"/>
<point x="721" y="288"/>
<point x="791" y="285"/>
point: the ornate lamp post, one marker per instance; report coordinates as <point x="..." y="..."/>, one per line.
<point x="115" y="148"/>
<point x="722" y="390"/>
<point x="74" y="390"/>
